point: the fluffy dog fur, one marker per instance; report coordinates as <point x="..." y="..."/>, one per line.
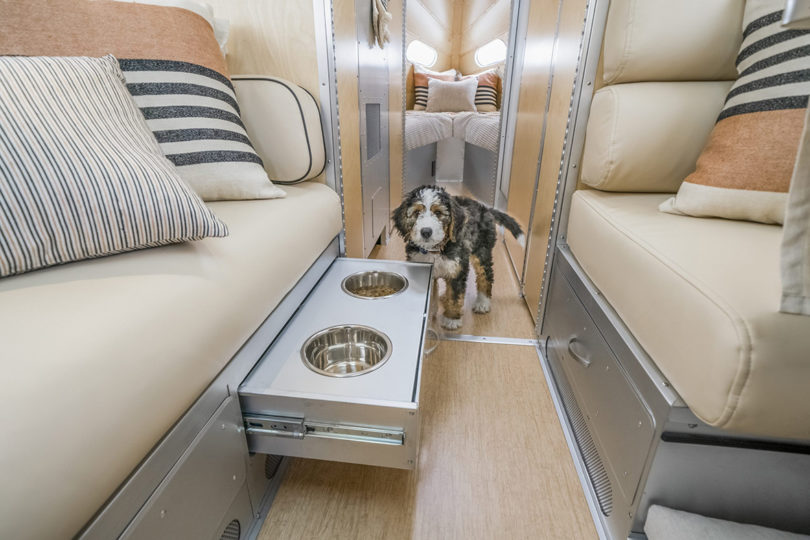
<point x="452" y="233"/>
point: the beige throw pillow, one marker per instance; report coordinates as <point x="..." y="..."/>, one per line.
<point x="451" y="96"/>
<point x="421" y="76"/>
<point x="744" y="171"/>
<point x="81" y="174"/>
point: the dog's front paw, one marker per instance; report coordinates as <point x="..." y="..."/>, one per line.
<point x="450" y="324"/>
<point x="482" y="304"/>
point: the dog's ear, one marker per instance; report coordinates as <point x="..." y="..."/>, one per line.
<point x="400" y="215"/>
<point x="457" y="218"/>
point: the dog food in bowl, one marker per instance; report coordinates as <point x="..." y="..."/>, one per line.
<point x="374" y="284"/>
<point x="346" y="351"/>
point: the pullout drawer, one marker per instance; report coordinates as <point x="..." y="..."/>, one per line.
<point x="371" y="417"/>
<point x="620" y="423"/>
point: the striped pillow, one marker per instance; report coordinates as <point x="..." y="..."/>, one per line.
<point x="745" y="169"/>
<point x="421" y="76"/>
<point x="175" y="70"/>
<point x="81" y="174"/>
<point x="488" y="94"/>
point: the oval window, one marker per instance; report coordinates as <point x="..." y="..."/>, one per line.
<point x="421" y="53"/>
<point x="491" y="53"/>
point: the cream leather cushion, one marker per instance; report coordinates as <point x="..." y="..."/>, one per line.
<point x="666" y="40"/>
<point x="702" y="298"/>
<point x="284" y="122"/>
<point x="648" y="136"/>
<point x="101" y="357"/>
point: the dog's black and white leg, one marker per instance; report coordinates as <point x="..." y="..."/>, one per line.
<point x="453" y="300"/>
<point x="484" y="277"/>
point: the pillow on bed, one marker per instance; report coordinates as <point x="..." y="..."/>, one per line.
<point x="488" y="94"/>
<point x="81" y="175"/>
<point x="421" y="76"/>
<point x="451" y="96"/>
<point x="744" y="171"/>
<point x="174" y="69"/>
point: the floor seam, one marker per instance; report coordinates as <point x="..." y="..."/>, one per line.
<point x="495" y="340"/>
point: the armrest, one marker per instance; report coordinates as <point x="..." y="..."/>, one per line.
<point x="284" y="124"/>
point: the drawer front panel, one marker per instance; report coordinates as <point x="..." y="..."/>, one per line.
<point x="620" y="423"/>
<point x="197" y="493"/>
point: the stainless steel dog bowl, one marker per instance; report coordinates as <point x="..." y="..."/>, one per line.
<point x="374" y="284"/>
<point x="346" y="351"/>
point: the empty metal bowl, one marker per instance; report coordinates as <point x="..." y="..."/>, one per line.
<point x="346" y="351"/>
<point x="374" y="284"/>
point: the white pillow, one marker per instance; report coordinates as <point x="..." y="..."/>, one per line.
<point x="451" y="72"/>
<point x="451" y="96"/>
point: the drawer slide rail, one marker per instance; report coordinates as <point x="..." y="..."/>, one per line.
<point x="299" y="428"/>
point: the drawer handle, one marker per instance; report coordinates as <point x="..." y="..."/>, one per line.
<point x="583" y="359"/>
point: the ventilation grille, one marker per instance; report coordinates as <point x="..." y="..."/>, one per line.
<point x="593" y="462"/>
<point x="271" y="464"/>
<point x="232" y="532"/>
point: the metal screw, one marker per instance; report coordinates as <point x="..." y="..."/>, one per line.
<point x="162" y="514"/>
<point x="666" y="384"/>
<point x="639" y="423"/>
<point x="222" y="426"/>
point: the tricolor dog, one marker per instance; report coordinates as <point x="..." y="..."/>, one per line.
<point x="452" y="233"/>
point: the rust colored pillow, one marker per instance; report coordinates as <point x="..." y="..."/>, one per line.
<point x="488" y="94"/>
<point x="745" y="169"/>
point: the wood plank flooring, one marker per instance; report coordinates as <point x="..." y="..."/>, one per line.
<point x="493" y="464"/>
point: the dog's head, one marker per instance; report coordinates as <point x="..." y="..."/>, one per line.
<point x="428" y="217"/>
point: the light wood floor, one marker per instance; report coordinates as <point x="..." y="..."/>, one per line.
<point x="493" y="464"/>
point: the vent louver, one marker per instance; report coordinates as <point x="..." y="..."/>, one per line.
<point x="271" y="464"/>
<point x="590" y="455"/>
<point x="232" y="532"/>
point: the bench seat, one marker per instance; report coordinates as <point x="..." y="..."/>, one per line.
<point x="702" y="298"/>
<point x="100" y="358"/>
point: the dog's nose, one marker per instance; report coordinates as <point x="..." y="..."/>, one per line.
<point x="426" y="232"/>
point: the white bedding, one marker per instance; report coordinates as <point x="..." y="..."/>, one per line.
<point x="483" y="129"/>
<point x="423" y="128"/>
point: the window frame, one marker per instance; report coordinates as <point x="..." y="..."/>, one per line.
<point x="490" y="44"/>
<point x="427" y="48"/>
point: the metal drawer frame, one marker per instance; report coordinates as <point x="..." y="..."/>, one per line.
<point x="371" y="419"/>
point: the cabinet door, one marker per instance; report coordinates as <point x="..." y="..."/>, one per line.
<point x="372" y="83"/>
